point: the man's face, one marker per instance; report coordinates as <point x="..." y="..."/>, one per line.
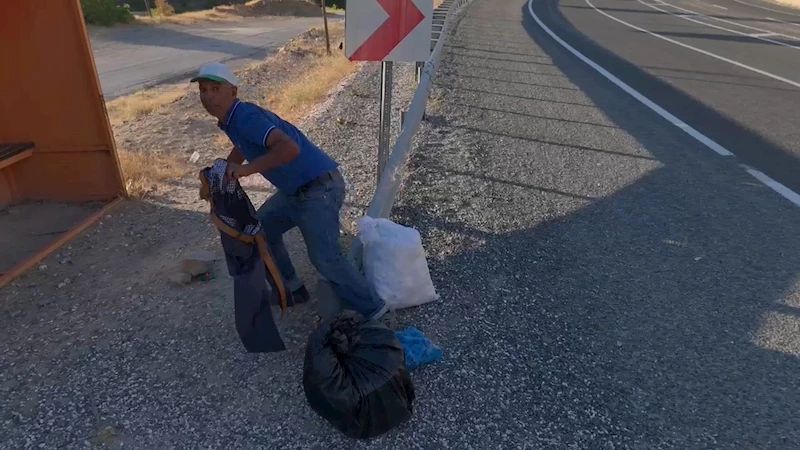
<point x="216" y="97"/>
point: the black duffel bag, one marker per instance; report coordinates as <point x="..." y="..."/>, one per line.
<point x="355" y="377"/>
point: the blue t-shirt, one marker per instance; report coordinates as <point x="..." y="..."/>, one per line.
<point x="248" y="126"/>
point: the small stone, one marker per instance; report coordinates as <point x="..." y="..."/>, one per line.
<point x="61" y="285"/>
<point x="180" y="278"/>
<point x="43" y="267"/>
<point x="198" y="262"/>
<point x="194" y="158"/>
<point x="66" y="260"/>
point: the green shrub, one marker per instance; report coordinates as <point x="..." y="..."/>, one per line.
<point x="105" y="12"/>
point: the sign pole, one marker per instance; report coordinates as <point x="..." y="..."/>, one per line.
<point x="325" y="21"/>
<point x="385" y="115"/>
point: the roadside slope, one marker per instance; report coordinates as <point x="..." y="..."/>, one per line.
<point x="607" y="282"/>
<point x="133" y="58"/>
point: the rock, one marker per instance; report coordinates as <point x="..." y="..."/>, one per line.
<point x="198" y="262"/>
<point x="180" y="278"/>
<point x="202" y="255"/>
<point x="193" y="267"/>
<point x="43" y="267"/>
<point x="194" y="158"/>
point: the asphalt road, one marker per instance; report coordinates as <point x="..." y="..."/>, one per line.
<point x="608" y="281"/>
<point x="132" y="58"/>
<point x="728" y="68"/>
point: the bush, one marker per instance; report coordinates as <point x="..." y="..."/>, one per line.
<point x="163" y="8"/>
<point x="340" y="4"/>
<point x="105" y="12"/>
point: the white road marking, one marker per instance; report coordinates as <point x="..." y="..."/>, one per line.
<point x="787" y="193"/>
<point x="705" y="140"/>
<point x="699" y="50"/>
<point x="768" y="9"/>
<point x="759" y="36"/>
<point x="700" y="137"/>
<point x="730" y="22"/>
<point x="778" y="20"/>
<point x="720" y="7"/>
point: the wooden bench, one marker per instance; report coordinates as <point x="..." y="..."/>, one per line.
<point x="11" y="153"/>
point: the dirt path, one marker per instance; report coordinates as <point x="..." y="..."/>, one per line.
<point x="121" y="355"/>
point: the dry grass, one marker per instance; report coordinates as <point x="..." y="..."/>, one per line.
<point x="315" y="74"/>
<point x="144" y="171"/>
<point x="297" y="98"/>
<point x="142" y="103"/>
<point x="789" y="3"/>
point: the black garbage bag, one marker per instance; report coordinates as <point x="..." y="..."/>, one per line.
<point x="354" y="376"/>
<point x="256" y="280"/>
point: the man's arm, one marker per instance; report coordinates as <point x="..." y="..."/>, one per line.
<point x="282" y="150"/>
<point x="235" y="156"/>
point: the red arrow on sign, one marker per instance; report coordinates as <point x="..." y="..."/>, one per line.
<point x="404" y="16"/>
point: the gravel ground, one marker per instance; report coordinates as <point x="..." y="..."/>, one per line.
<point x="117" y="356"/>
<point x="605" y="283"/>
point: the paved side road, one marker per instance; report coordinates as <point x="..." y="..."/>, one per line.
<point x="607" y="281"/>
<point x="129" y="59"/>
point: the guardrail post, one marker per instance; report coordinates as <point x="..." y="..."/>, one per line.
<point x="385" y="116"/>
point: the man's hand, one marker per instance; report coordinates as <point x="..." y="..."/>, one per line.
<point x="236" y="171"/>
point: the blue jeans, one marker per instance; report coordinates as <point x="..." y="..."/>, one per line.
<point x="316" y="213"/>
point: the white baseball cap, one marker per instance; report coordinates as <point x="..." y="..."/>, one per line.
<point x="216" y="72"/>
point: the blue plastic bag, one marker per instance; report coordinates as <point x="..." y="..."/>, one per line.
<point x="419" y="350"/>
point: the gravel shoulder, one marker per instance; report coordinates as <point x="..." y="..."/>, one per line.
<point x="119" y="356"/>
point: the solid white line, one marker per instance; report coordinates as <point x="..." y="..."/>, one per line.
<point x="730" y="22"/>
<point x="787" y="193"/>
<point x="705" y="140"/>
<point x="759" y="36"/>
<point x="713" y="55"/>
<point x="720" y="7"/>
<point x="768" y="9"/>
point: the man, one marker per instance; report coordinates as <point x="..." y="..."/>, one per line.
<point x="310" y="189"/>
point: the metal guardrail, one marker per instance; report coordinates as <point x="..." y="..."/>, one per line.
<point x="391" y="177"/>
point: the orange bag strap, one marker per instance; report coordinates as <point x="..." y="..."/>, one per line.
<point x="258" y="240"/>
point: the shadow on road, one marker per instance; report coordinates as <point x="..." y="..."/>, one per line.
<point x="653" y="311"/>
<point x="730" y="38"/>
